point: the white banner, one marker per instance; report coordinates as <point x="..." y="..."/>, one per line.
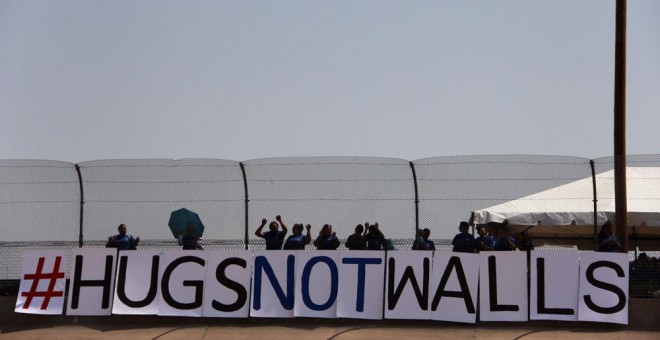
<point x="227" y="288"/>
<point x="503" y="286"/>
<point x="182" y="274"/>
<point x="137" y="284"/>
<point x="317" y="283"/>
<point x="407" y="282"/>
<point x="454" y="286"/>
<point x="604" y="287"/>
<point x="361" y="287"/>
<point x="418" y="285"/>
<point x="92" y="281"/>
<point x="554" y="283"/>
<point x="273" y="284"/>
<point x="42" y="282"/>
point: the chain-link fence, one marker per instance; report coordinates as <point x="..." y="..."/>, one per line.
<point x="50" y="204"/>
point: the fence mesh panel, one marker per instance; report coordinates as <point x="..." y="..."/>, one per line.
<point x="341" y="191"/>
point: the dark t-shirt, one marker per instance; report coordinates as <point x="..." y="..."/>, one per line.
<point x="463" y="243"/>
<point x="356" y="242"/>
<point x="375" y="241"/>
<point x="274" y="240"/>
<point x="326" y="243"/>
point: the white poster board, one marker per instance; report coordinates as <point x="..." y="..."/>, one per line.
<point x="92" y="281"/>
<point x="182" y="274"/>
<point x="454" y="287"/>
<point x="137" y="282"/>
<point x="273" y="284"/>
<point x="317" y="283"/>
<point x="503" y="286"/>
<point x="408" y="274"/>
<point x="554" y="283"/>
<point x="227" y="289"/>
<point x="43" y="281"/>
<point x="604" y="287"/>
<point x="361" y="287"/>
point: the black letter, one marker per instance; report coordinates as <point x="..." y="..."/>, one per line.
<point x="606" y="286"/>
<point x="233" y="285"/>
<point x="540" y="287"/>
<point x="492" y="289"/>
<point x="199" y="285"/>
<point x="454" y="261"/>
<point x="121" y="283"/>
<point x="408" y="274"/>
<point x="79" y="282"/>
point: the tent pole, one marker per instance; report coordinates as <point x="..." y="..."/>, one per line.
<point x="620" y="194"/>
<point x="593" y="180"/>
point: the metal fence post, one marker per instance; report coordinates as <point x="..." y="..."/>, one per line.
<point x="412" y="167"/>
<point x="82" y="204"/>
<point x="247" y="200"/>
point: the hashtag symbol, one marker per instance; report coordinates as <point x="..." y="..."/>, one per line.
<point x="40" y="275"/>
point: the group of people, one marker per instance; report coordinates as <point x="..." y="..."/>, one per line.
<point x="370" y="237"/>
<point x="366" y="237"/>
<point x="464" y="242"/>
<point x="124" y="241"/>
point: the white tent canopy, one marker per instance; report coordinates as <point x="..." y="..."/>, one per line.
<point x="569" y="209"/>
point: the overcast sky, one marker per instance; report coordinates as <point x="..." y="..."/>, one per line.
<point x="84" y="80"/>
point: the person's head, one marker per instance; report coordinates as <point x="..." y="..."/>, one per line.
<point x="426" y="233"/>
<point x="297" y="229"/>
<point x="122" y="229"/>
<point x="482" y="232"/>
<point x="273" y="226"/>
<point x="190" y="230"/>
<point x="372" y="229"/>
<point x="463" y="227"/>
<point x="359" y="229"/>
<point x="326" y="230"/>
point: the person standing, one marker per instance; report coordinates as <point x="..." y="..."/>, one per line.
<point x="122" y="241"/>
<point x="422" y="241"/>
<point x="484" y="242"/>
<point x="504" y="240"/>
<point x="190" y="241"/>
<point x="607" y="241"/>
<point x="374" y="238"/>
<point x="357" y="241"/>
<point x="274" y="237"/>
<point x="298" y="240"/>
<point x="327" y="239"/>
<point x="463" y="242"/>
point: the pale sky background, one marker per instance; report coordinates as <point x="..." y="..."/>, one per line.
<point x="85" y="80"/>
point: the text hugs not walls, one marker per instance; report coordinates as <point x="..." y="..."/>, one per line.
<point x="444" y="286"/>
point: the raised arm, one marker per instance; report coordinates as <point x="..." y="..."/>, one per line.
<point x="258" y="231"/>
<point x="308" y="238"/>
<point x="284" y="228"/>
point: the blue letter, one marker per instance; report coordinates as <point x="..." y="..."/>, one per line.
<point x="261" y="263"/>
<point x="361" y="262"/>
<point x="334" y="283"/>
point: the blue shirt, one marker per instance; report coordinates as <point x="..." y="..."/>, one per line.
<point x="125" y="242"/>
<point x="502" y="243"/>
<point x="486" y="240"/>
<point x="295" y="242"/>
